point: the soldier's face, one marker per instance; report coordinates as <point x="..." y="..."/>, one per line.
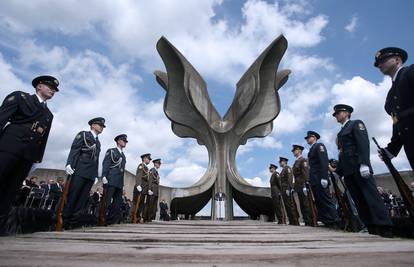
<point x="157" y="165"/>
<point x="310" y="140"/>
<point x="146" y="160"/>
<point x="341" y="116"/>
<point x="98" y="128"/>
<point x="45" y="91"/>
<point x="272" y="170"/>
<point x="122" y="143"/>
<point x="297" y="152"/>
<point x="388" y="66"/>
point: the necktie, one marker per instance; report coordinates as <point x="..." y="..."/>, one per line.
<point x="44" y="104"/>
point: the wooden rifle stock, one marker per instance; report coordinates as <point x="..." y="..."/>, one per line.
<point x="283" y="209"/>
<point x="294" y="208"/>
<point x="345" y="209"/>
<point x="59" y="217"/>
<point x="134" y="215"/>
<point x="405" y="192"/>
<point x="102" y="207"/>
<point x="312" y="205"/>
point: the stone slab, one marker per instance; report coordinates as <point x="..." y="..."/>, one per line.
<point x="204" y="243"/>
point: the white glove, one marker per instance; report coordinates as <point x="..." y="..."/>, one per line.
<point x="96" y="180"/>
<point x="150" y="192"/>
<point x="104" y="180"/>
<point x="324" y="183"/>
<point x="69" y="170"/>
<point x="387" y="153"/>
<point x="364" y="170"/>
<point x="139" y="188"/>
<point x="287" y="192"/>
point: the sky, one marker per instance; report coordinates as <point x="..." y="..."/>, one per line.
<point x="103" y="53"/>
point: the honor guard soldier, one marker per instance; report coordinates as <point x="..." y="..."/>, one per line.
<point x="141" y="189"/>
<point x="113" y="168"/>
<point x="82" y="165"/>
<point x="25" y="122"/>
<point x="300" y="171"/>
<point x="355" y="166"/>
<point x="318" y="178"/>
<point x="399" y="103"/>
<point x="286" y="178"/>
<point x="153" y="183"/>
<point x="275" y="190"/>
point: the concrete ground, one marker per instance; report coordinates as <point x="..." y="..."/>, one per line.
<point x="204" y="243"/>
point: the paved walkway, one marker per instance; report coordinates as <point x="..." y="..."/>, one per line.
<point x="204" y="243"/>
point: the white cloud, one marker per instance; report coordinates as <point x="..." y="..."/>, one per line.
<point x="8" y="80"/>
<point x="257" y="181"/>
<point x="352" y="25"/>
<point x="131" y="29"/>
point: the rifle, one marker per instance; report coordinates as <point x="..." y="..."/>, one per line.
<point x="59" y="217"/>
<point x="312" y="205"/>
<point x="102" y="207"/>
<point x="345" y="209"/>
<point x="405" y="192"/>
<point x="134" y="218"/>
<point x="282" y="206"/>
<point x="295" y="212"/>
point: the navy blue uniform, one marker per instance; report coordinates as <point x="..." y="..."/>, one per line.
<point x="84" y="160"/>
<point x="24" y="129"/>
<point x="353" y="146"/>
<point x="318" y="170"/>
<point x="400" y="105"/>
<point x="113" y="168"/>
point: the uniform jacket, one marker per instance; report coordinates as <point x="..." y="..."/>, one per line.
<point x="353" y="146"/>
<point x="400" y="102"/>
<point x="286" y="178"/>
<point x="154" y="181"/>
<point x="84" y="155"/>
<point x="29" y="125"/>
<point x="113" y="167"/>
<point x="300" y="171"/>
<point x="318" y="163"/>
<point x="142" y="177"/>
<point x="275" y="185"/>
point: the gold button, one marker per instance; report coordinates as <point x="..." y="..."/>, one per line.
<point x="395" y="97"/>
<point x="398" y="107"/>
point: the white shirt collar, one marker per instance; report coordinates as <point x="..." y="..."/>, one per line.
<point x="40" y="99"/>
<point x="94" y="134"/>
<point x="120" y="150"/>
<point x="343" y="124"/>
<point x="396" y="73"/>
<point x="299" y="157"/>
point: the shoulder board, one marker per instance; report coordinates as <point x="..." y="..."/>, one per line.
<point x="322" y="148"/>
<point x="361" y="126"/>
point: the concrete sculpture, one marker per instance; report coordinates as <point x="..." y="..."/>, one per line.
<point x="255" y="105"/>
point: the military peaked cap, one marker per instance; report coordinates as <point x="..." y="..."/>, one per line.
<point x="122" y="137"/>
<point x="48" y="80"/>
<point x="312" y="133"/>
<point x="342" y="107"/>
<point x="387" y="52"/>
<point x="98" y="120"/>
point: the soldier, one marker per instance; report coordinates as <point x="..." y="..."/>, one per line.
<point x="354" y="164"/>
<point x="286" y="177"/>
<point x="25" y="122"/>
<point x="275" y="189"/>
<point x="140" y="189"/>
<point x="318" y="178"/>
<point x="301" y="174"/>
<point x="113" y="167"/>
<point x="82" y="165"/>
<point x="153" y="182"/>
<point x="400" y="100"/>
